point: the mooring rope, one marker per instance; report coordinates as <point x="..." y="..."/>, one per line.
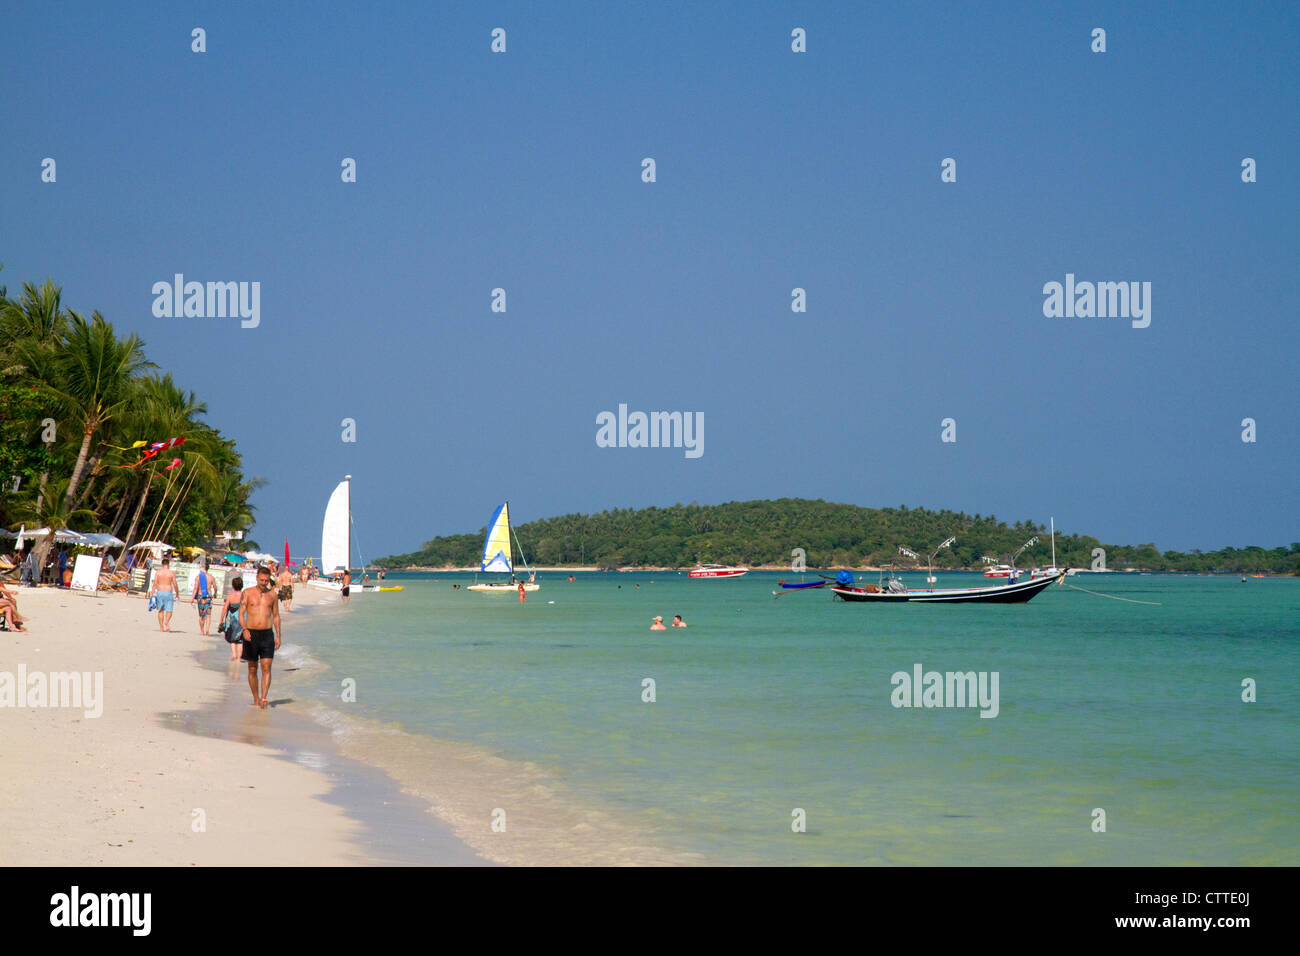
<point x="1112" y="596"/>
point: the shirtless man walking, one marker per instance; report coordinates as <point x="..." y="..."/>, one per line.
<point x="285" y="592"/>
<point x="259" y="616"/>
<point x="168" y="591"/>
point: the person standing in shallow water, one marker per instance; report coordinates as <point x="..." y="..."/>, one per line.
<point x="259" y="616"/>
<point x="285" y="589"/>
<point x="230" y="618"/>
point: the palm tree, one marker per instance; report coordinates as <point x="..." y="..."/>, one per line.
<point x="55" y="513"/>
<point x="31" y="328"/>
<point x="92" y="372"/>
<point x="36" y="320"/>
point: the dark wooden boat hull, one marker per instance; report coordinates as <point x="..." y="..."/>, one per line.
<point x="999" y="594"/>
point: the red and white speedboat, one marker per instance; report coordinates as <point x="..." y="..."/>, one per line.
<point x="717" y="571"/>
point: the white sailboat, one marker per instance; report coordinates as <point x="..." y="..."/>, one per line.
<point x="1053" y="571"/>
<point x="497" y="557"/>
<point x="336" y="543"/>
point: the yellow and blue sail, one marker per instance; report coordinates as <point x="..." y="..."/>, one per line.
<point x="496" y="549"/>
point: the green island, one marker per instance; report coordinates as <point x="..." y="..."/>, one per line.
<point x="764" y="533"/>
<point x="80" y="406"/>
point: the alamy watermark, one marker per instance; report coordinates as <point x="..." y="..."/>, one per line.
<point x="951" y="689"/>
<point x="76" y="689"/>
<point x="76" y="908"/>
<point x="212" y="300"/>
<point x="653" y="430"/>
<point x="1102" y="300"/>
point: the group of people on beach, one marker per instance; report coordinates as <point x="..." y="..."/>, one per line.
<point x="250" y="620"/>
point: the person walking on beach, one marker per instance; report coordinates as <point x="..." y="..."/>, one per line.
<point x="201" y="597"/>
<point x="168" y="591"/>
<point x="285" y="592"/>
<point x="230" y="618"/>
<point x="259" y="616"/>
<point x="347" y="586"/>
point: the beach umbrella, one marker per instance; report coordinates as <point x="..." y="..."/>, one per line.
<point x="231" y="556"/>
<point x="20" y="542"/>
<point x="152" y="545"/>
<point x="286" y="554"/>
<point x="68" y="536"/>
<point x="102" y="539"/>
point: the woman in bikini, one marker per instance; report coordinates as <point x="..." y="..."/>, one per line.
<point x="230" y="618"/>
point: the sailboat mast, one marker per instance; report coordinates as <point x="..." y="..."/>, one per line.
<point x="348" y="479"/>
<point x="1053" y="544"/>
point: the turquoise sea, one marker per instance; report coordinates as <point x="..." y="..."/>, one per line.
<point x="766" y="706"/>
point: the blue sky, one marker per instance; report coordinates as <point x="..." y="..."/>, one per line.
<point x="775" y="170"/>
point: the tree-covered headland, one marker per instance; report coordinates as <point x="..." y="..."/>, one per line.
<point x="832" y="535"/>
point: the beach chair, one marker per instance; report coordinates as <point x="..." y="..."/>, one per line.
<point x="115" y="580"/>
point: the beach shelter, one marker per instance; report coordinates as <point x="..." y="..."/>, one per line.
<point x="102" y="539"/>
<point x="153" y="546"/>
<point x="63" y="536"/>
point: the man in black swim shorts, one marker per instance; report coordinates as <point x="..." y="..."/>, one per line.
<point x="259" y="616"/>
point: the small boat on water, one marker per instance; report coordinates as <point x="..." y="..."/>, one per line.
<point x="336" y="546"/>
<point x="892" y="590"/>
<point x="717" y="571"/>
<point x="1053" y="571"/>
<point x="1000" y="571"/>
<point x="802" y="585"/>
<point x="497" y="558"/>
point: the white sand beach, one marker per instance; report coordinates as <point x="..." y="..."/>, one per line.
<point x="124" y="789"/>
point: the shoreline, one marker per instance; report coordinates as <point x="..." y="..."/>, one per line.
<point x="125" y="788"/>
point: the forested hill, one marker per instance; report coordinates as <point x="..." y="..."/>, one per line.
<point x="833" y="535"/>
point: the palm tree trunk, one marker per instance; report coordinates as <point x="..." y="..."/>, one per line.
<point x="40" y="552"/>
<point x="121" y="510"/>
<point x="40" y="495"/>
<point x="93" y="464"/>
<point x="86" y="434"/>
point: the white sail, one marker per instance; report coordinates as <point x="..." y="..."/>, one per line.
<point x="335" y="540"/>
<point x="496" y="546"/>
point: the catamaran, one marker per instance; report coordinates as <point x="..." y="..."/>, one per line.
<point x="497" y="557"/>
<point x="336" y="544"/>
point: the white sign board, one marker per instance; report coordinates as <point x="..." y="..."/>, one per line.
<point x="85" y="571"/>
